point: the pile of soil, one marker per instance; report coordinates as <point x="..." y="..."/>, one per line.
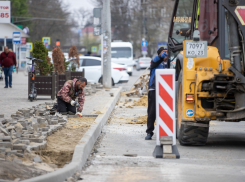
<point x="61" y="145"/>
<point x="143" y="101"/>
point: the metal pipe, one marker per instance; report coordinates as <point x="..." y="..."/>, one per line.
<point x="234" y="42"/>
<point x="235" y="54"/>
<point x="243" y="50"/>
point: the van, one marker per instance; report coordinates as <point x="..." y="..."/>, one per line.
<point x="122" y="53"/>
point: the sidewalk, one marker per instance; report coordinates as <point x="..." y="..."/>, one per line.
<point x="12" y="99"/>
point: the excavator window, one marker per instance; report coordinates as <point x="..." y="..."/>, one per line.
<point x="182" y="20"/>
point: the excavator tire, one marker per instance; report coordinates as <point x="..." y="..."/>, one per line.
<point x="186" y="134"/>
<point x="193" y="135"/>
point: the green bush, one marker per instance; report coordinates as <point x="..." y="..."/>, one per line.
<point x="66" y="63"/>
<point x="40" y="52"/>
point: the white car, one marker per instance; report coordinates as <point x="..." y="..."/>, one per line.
<point x="93" y="70"/>
<point x="144" y="62"/>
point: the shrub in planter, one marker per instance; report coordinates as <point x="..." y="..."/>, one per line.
<point x="51" y="66"/>
<point x="40" y="52"/>
<point x="66" y="63"/>
<point x="58" y="60"/>
<point x="74" y="57"/>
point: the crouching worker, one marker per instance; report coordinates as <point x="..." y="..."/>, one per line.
<point x="67" y="95"/>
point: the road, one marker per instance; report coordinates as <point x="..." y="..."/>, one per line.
<point x="222" y="159"/>
<point x="132" y="80"/>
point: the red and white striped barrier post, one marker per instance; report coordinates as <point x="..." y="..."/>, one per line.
<point x="165" y="104"/>
<point x="165" y="109"/>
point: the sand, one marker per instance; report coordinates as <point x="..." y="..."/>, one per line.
<point x="61" y="145"/>
<point x="123" y="93"/>
<point x="98" y="112"/>
<point x="143" y="101"/>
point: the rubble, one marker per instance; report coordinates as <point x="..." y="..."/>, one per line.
<point x="37" y="159"/>
<point x="92" y="88"/>
<point x="28" y="129"/>
<point x="141" y="84"/>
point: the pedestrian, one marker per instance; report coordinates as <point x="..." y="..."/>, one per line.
<point x="67" y="95"/>
<point x="158" y="62"/>
<point x="7" y="60"/>
<point x="14" y="67"/>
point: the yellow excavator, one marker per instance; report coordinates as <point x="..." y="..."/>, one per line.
<point x="206" y="40"/>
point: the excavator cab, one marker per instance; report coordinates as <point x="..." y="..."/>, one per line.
<point x="206" y="39"/>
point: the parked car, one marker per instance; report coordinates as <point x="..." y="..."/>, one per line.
<point x="144" y="62"/>
<point x="93" y="70"/>
<point x="136" y="64"/>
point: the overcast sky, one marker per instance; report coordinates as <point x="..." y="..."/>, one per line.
<point x="76" y="4"/>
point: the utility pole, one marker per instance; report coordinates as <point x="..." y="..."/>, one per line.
<point x="106" y="46"/>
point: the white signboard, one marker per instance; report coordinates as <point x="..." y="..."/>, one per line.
<point x="5" y="12"/>
<point x="196" y="48"/>
<point x="16" y="37"/>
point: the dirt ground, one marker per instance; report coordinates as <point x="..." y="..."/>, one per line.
<point x="143" y="101"/>
<point x="12" y="171"/>
<point x="139" y="120"/>
<point x="61" y="145"/>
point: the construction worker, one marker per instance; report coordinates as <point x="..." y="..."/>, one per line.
<point x="158" y="62"/>
<point x="67" y="95"/>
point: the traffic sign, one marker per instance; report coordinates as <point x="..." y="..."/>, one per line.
<point x="97" y="21"/>
<point x="46" y="41"/>
<point x="240" y="12"/>
<point x="144" y="53"/>
<point x="144" y="43"/>
<point x="161" y="44"/>
<point x="144" y="48"/>
<point x="16" y="38"/>
<point x="23" y="40"/>
<point x="97" y="30"/>
<point x="94" y="49"/>
<point x="57" y="42"/>
<point x="30" y="46"/>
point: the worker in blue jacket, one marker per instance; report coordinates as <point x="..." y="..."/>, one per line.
<point x="158" y="62"/>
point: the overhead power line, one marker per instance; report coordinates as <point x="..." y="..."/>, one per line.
<point x="35" y="18"/>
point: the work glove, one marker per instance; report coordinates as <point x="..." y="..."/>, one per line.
<point x="79" y="114"/>
<point x="164" y="54"/>
<point x="74" y="103"/>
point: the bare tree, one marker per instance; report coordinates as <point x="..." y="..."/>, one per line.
<point x="56" y="25"/>
<point x="133" y="20"/>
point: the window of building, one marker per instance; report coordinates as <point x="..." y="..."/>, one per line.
<point x="1" y="44"/>
<point x="9" y="43"/>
